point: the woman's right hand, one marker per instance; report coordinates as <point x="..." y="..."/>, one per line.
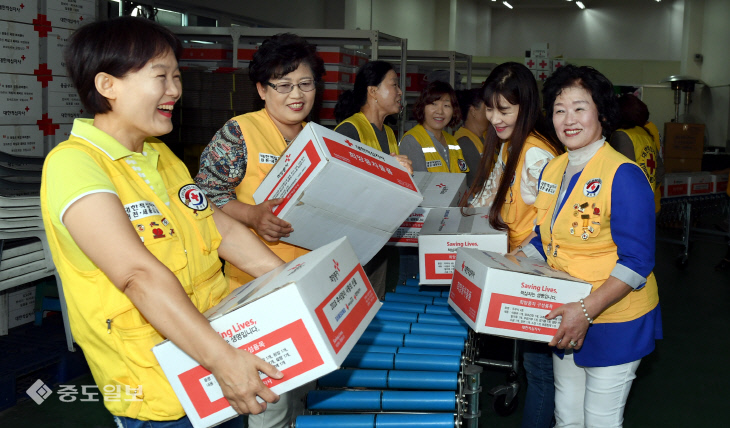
<point x="237" y="373"/>
<point x="262" y="219"/>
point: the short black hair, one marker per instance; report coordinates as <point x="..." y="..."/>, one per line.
<point x="590" y="79"/>
<point x="469" y="98"/>
<point x="430" y="94"/>
<point x="281" y="54"/>
<point x="116" y="47"/>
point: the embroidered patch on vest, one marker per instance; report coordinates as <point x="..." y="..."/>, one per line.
<point x="592" y="187"/>
<point x="433" y="164"/>
<point x="268" y="158"/>
<point x="141" y="209"/>
<point x="462" y="165"/>
<point x="548" y="188"/>
<point x="193" y="197"/>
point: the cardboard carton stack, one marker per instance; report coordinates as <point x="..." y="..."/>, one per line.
<point x="683" y="147"/>
<point x="538" y="60"/>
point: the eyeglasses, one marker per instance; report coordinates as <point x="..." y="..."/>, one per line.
<point x="285" y="88"/>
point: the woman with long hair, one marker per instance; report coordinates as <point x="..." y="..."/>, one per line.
<point x="509" y="186"/>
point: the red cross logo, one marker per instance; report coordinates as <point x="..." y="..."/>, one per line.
<point x="542" y="76"/>
<point x="23" y="57"/>
<point x="543" y="64"/>
<point x="42" y="25"/>
<point x="349" y="143"/>
<point x="43" y="75"/>
<point x="287" y="158"/>
<point x="650" y="164"/>
<point x="440" y="185"/>
<point x="27" y="108"/>
<point x="81" y="18"/>
<point x="46" y="125"/>
<point x="337" y="265"/>
<point x="485" y="216"/>
<point x="22" y="6"/>
<point x="530" y="63"/>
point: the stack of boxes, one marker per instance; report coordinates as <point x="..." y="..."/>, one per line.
<point x="341" y="65"/>
<point x="683" y="147"/>
<point x="538" y="60"/>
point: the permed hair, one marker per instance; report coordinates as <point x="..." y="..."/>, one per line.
<point x="281" y="54"/>
<point x="590" y="79"/>
<point x="117" y="46"/>
<point x="432" y="93"/>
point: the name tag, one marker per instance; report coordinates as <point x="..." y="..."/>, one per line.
<point x="141" y="209"/>
<point x="433" y="164"/>
<point x="548" y="188"/>
<point x="267" y="158"/>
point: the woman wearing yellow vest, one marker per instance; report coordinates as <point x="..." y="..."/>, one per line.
<point x="638" y="140"/>
<point x="428" y="145"/>
<point x="360" y="112"/>
<point x="595" y="221"/>
<point x="512" y="103"/>
<point x="472" y="133"/>
<point x="135" y="242"/>
<point x="285" y="70"/>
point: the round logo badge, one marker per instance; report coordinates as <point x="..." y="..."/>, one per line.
<point x="462" y="165"/>
<point x="592" y="187"/>
<point x="193" y="197"/>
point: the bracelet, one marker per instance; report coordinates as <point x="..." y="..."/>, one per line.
<point x="585" y="312"/>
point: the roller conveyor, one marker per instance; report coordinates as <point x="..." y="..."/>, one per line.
<point x="411" y="340"/>
<point x="413" y="298"/>
<point x="406" y="401"/>
<point x="452" y="319"/>
<point x="405" y="350"/>
<point x="436" y="420"/>
<point x="391" y="379"/>
<point x="418" y="328"/>
<point x="407" y="289"/>
<point x="377" y="360"/>
<point x="418" y="308"/>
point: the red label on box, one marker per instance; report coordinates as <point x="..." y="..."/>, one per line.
<point x="521" y="314"/>
<point x="347" y="153"/>
<point x="440" y="266"/>
<point x="677" y="189"/>
<point x="466" y="295"/>
<point x="298" y="171"/>
<point x="305" y="357"/>
<point x="345" y="308"/>
<point x="412" y="224"/>
<point x="409" y="240"/>
<point x="701" y="188"/>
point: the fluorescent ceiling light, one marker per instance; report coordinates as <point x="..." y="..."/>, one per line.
<point x="580" y="4"/>
<point x="507" y="4"/>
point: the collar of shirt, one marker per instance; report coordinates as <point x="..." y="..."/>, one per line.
<point x="85" y="129"/>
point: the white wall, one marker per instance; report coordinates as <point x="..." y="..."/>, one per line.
<point x="411" y="19"/>
<point x="652" y="31"/>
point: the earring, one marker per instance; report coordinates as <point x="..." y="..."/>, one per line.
<point x="376" y="100"/>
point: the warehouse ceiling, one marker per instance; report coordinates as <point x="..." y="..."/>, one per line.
<point x="554" y="4"/>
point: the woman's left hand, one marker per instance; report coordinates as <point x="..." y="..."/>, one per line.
<point x="404" y="161"/>
<point x="573" y="326"/>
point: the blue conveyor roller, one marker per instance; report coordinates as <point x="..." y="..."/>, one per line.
<point x="437" y="420"/>
<point x="404" y="401"/>
<point x="390" y="379"/>
<point x="377" y="360"/>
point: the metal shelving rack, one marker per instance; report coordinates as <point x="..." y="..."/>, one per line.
<point x="369" y="41"/>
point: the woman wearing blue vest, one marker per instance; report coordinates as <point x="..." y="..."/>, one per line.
<point x="135" y="241"/>
<point x="428" y="145"/>
<point x="595" y="221"/>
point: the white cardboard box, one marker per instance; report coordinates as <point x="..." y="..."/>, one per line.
<point x="701" y="183"/>
<point x="720" y="183"/>
<point x="303" y="317"/>
<point x="19" y="10"/>
<point x="53" y="46"/>
<point x="446" y="230"/>
<point x="20" y="99"/>
<point x="22" y="140"/>
<point x="556" y="63"/>
<point x="439" y="189"/>
<point x="70" y="14"/>
<point x="335" y="187"/>
<point x="676" y="185"/>
<point x="64" y="103"/>
<point x="510" y="296"/>
<point x="19" y="50"/>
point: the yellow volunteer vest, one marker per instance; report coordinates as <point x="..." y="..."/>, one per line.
<point x="646" y="153"/>
<point x="580" y="242"/>
<point x="119" y="351"/>
<point x="264" y="144"/>
<point x="434" y="161"/>
<point x="367" y="133"/>
<point x="519" y="216"/>
<point x="464" y="132"/>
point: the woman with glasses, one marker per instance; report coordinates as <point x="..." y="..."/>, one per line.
<point x="428" y="145"/>
<point x="360" y="112"/>
<point x="285" y="70"/>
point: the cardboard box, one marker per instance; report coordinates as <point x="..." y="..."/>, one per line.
<point x="22" y="140"/>
<point x="556" y="63"/>
<point x="336" y="187"/>
<point x="303" y="317"/>
<point x="52" y="50"/>
<point x="530" y="63"/>
<point x="439" y="189"/>
<point x="540" y="49"/>
<point x="541" y="75"/>
<point x="19" y="50"/>
<point x="446" y="230"/>
<point x="683" y="140"/>
<point x="510" y="296"/>
<point x="340" y="56"/>
<point x="701" y="184"/>
<point x="24" y="11"/>
<point x="681" y="165"/>
<point x="64" y="104"/>
<point x="70" y="14"/>
<point x="20" y="99"/>
<point x="720" y="183"/>
<point x="676" y="185"/>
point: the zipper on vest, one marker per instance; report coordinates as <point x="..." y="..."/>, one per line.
<point x="109" y="326"/>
